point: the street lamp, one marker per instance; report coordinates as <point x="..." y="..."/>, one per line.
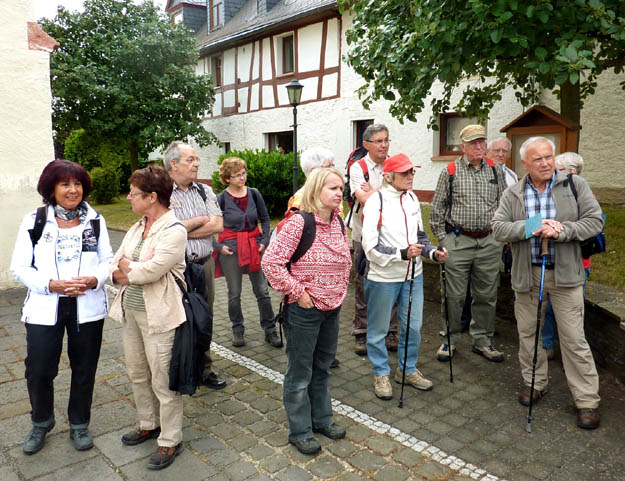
<point x="294" y="89"/>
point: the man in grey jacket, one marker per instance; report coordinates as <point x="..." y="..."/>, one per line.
<point x="565" y="221"/>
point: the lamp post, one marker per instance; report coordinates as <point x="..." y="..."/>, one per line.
<point x="294" y="89"/>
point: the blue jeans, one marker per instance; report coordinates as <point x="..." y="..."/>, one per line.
<point x="381" y="296"/>
<point x="549" y="330"/>
<point x="311" y="341"/>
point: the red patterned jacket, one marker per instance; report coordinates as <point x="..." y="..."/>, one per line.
<point x="323" y="271"/>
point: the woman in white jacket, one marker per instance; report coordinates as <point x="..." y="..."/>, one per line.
<point x="392" y="236"/>
<point x="64" y="268"/>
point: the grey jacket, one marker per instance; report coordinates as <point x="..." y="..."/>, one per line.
<point x="580" y="220"/>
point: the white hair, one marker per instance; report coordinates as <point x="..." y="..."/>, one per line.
<point x="315" y="157"/>
<point x="535" y="140"/>
<point x="172" y="152"/>
<point x="570" y="160"/>
<point x="489" y="146"/>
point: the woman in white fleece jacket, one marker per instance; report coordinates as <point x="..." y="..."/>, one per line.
<point x="392" y="235"/>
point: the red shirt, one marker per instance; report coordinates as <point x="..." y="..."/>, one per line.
<point x="323" y="271"/>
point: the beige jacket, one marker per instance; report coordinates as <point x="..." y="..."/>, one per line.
<point x="163" y="298"/>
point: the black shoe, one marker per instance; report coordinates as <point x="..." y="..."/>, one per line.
<point x="163" y="457"/>
<point x="237" y="339"/>
<point x="36" y="439"/>
<point x="307" y="446"/>
<point x="333" y="431"/>
<point x="139" y="436"/>
<point x="273" y="339"/>
<point x="213" y="381"/>
<point x="335" y="363"/>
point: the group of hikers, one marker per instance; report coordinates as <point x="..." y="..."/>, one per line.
<point x="64" y="257"/>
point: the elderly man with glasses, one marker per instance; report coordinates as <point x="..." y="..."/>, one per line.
<point x="499" y="150"/>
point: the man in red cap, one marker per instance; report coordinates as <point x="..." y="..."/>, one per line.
<point x="466" y="197"/>
<point x="392" y="236"/>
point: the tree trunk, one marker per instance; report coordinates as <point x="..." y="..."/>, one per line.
<point x="134" y="155"/>
<point x="570" y="101"/>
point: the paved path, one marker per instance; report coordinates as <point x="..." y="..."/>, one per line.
<point x="471" y="429"/>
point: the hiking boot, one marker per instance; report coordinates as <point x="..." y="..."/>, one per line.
<point x="307" y="446"/>
<point x="333" y="431"/>
<point x="588" y="418"/>
<point x="237" y="339"/>
<point x="139" y="436"/>
<point x="360" y="344"/>
<point x="414" y="379"/>
<point x="391" y="342"/>
<point x="82" y="438"/>
<point x="443" y="353"/>
<point x="272" y="338"/>
<point x="489" y="352"/>
<point x="36" y="439"/>
<point x="382" y="387"/>
<point x="213" y="381"/>
<point x="163" y="456"/>
<point x="524" y="396"/>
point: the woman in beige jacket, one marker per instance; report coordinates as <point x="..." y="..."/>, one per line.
<point x="149" y="304"/>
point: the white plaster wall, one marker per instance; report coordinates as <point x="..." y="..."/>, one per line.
<point x="332" y="45"/>
<point x="228" y="67"/>
<point x="25" y="124"/>
<point x="309" y="47"/>
<point x="266" y="73"/>
<point x="244" y="59"/>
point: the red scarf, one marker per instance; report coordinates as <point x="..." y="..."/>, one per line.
<point x="247" y="249"/>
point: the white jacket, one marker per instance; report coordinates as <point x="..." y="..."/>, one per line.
<point x="401" y="226"/>
<point x="40" y="305"/>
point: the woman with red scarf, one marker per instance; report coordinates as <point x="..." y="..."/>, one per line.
<point x="240" y="246"/>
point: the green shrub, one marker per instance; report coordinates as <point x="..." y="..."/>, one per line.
<point x="270" y="172"/>
<point x="104" y="184"/>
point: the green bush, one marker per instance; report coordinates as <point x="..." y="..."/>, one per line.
<point x="104" y="184"/>
<point x="270" y="172"/>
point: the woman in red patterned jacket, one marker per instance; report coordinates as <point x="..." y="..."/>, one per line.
<point x="315" y="287"/>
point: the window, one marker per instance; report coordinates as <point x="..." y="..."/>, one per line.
<point x="359" y="129"/>
<point x="288" y="60"/>
<point x="450" y="126"/>
<point x="215" y="13"/>
<point x="282" y="141"/>
<point x="226" y="147"/>
<point x="216" y="70"/>
<point x="177" y="18"/>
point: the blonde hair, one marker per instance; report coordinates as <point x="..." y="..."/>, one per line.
<point x="312" y="189"/>
<point x="229" y="166"/>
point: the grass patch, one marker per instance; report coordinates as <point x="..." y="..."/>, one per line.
<point x="118" y="215"/>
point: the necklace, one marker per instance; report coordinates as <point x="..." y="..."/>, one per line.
<point x="65" y="223"/>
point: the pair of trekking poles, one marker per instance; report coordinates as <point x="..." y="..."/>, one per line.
<point x="544" y="251"/>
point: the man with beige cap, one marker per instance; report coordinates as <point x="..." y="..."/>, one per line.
<point x="466" y="197"/>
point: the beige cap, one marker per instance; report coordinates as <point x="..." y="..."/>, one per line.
<point x="472" y="132"/>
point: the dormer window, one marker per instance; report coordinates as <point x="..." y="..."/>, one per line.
<point x="216" y="8"/>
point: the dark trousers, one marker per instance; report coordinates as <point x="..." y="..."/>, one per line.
<point x="44" y="345"/>
<point x="311" y="341"/>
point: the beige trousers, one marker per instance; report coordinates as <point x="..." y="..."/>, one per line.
<point x="147" y="362"/>
<point x="568" y="306"/>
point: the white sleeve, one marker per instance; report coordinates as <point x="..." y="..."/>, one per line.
<point x="22" y="257"/>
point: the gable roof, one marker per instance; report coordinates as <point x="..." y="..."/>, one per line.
<point x="246" y="23"/>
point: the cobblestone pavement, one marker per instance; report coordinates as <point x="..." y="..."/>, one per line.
<point x="471" y="429"/>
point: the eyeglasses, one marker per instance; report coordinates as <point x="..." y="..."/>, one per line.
<point x="239" y="176"/>
<point x="379" y="141"/>
<point x="135" y="194"/>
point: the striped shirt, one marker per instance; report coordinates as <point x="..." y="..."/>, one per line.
<point x="540" y="202"/>
<point x="475" y="198"/>
<point x="133" y="295"/>
<point x="187" y="204"/>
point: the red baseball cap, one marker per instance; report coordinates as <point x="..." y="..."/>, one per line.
<point x="397" y="163"/>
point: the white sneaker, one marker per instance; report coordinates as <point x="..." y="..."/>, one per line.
<point x="415" y="379"/>
<point x="443" y="352"/>
<point x="382" y="387"/>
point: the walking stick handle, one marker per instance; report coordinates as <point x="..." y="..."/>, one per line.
<point x="544" y="247"/>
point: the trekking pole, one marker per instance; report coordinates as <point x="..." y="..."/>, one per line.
<point x="444" y="278"/>
<point x="544" y="251"/>
<point x="403" y="374"/>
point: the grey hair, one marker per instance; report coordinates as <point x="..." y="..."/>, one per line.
<point x="489" y="146"/>
<point x="373" y="129"/>
<point x="570" y="160"/>
<point x="535" y="140"/>
<point x="172" y="152"/>
<point x="315" y="157"/>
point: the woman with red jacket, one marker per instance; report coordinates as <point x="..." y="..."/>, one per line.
<point x="316" y="286"/>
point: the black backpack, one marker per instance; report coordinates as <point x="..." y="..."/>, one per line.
<point x="595" y="244"/>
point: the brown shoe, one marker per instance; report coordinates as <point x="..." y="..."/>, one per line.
<point x="391" y="341"/>
<point x="163" y="456"/>
<point x="139" y="436"/>
<point x="588" y="418"/>
<point x="360" y="344"/>
<point x="524" y="396"/>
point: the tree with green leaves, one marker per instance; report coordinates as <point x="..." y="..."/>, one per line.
<point x="124" y="73"/>
<point x="402" y="48"/>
